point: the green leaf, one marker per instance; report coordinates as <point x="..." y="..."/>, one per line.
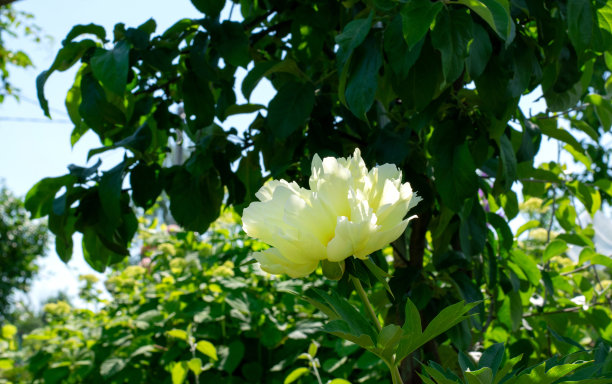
<point x="146" y="184"/>
<point x="604" y="185"/>
<point x="450" y="36"/>
<point x="230" y="356"/>
<point x="195" y="365"/>
<point x="96" y="252"/>
<point x="295" y="375"/>
<point x="177" y="334"/>
<point x="492" y="358"/>
<point x="82" y="29"/>
<point x="417" y="16"/>
<point x="480" y="376"/>
<point x="401" y="58"/>
<point x="112" y="366"/>
<point x="579" y="23"/>
<point x="590" y="256"/>
<point x="290" y="108"/>
<point x="342" y="329"/>
<point x="555" y="248"/>
<point x="195" y="199"/>
<point x="232" y="43"/>
<point x="111" y="67"/>
<point x="363" y="78"/>
<point x="603" y="109"/>
<point x="549" y="128"/>
<point x="207" y="348"/>
<point x="454" y="168"/>
<point x="179" y="372"/>
<point x="528" y="265"/>
<point x="354" y="33"/>
<point x="66" y="58"/>
<point x="503" y="230"/>
<point x="479" y="51"/>
<point x="39" y="199"/>
<point x="95" y="108"/>
<point x="356" y="323"/>
<point x="211" y="8"/>
<point x="379" y="274"/>
<point x="110" y="192"/>
<point x="508" y="159"/>
<point x="496" y="13"/>
<point x="516" y="310"/>
<point x="198" y="101"/>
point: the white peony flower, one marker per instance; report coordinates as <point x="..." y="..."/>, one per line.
<point x="348" y="211"/>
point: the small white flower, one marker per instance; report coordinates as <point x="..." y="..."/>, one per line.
<point x="580" y="300"/>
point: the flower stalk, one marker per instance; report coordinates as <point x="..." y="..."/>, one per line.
<point x="393" y="368"/>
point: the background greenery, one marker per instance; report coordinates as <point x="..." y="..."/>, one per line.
<point x="430" y="86"/>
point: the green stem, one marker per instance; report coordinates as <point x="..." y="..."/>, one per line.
<point x="366" y="302"/>
<point x="395" y="374"/>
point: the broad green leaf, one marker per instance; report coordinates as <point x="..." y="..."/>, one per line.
<point x="146" y="184"/>
<point x="454" y="168"/>
<point x="355" y="320"/>
<point x="401" y="58"/>
<point x="212" y="8"/>
<point x="207" y="348"/>
<point x="179" y="372"/>
<point x="177" y="334"/>
<point x="554" y="248"/>
<point x="379" y="274"/>
<point x="66" y="57"/>
<point x="312" y="349"/>
<point x="111" y="67"/>
<point x="195" y="200"/>
<point x="363" y="78"/>
<point x="388" y="339"/>
<point x="507" y="367"/>
<point x="450" y="36"/>
<point x="198" y="101"/>
<point x="503" y="230"/>
<point x="516" y="310"/>
<point x="95" y="109"/>
<point x="481" y="376"/>
<point x="295" y="375"/>
<point x="39" y="199"/>
<point x="110" y="192"/>
<point x="339" y="381"/>
<point x="604" y="22"/>
<point x="604" y="185"/>
<point x="528" y="265"/>
<point x="579" y="23"/>
<point x="342" y="329"/>
<point x="437" y="375"/>
<point x="112" y="366"/>
<point x="527" y="226"/>
<point x="549" y="128"/>
<point x="195" y="365"/>
<point x="266" y="68"/>
<point x="82" y="29"/>
<point x="564" y="339"/>
<point x="354" y="33"/>
<point x="243" y="108"/>
<point x="232" y="43"/>
<point x="589" y="196"/>
<point x="589" y="255"/>
<point x="230" y="356"/>
<point x="508" y="159"/>
<point x="479" y="51"/>
<point x="492" y="358"/>
<point x="417" y="16"/>
<point x="603" y="109"/>
<point x="290" y="108"/>
<point x="495" y="12"/>
<point x="542" y="376"/>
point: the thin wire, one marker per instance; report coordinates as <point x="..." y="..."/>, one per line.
<point x="17" y="119"/>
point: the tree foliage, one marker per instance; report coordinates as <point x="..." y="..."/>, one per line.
<point x="432" y="86"/>
<point x="21" y="243"/>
